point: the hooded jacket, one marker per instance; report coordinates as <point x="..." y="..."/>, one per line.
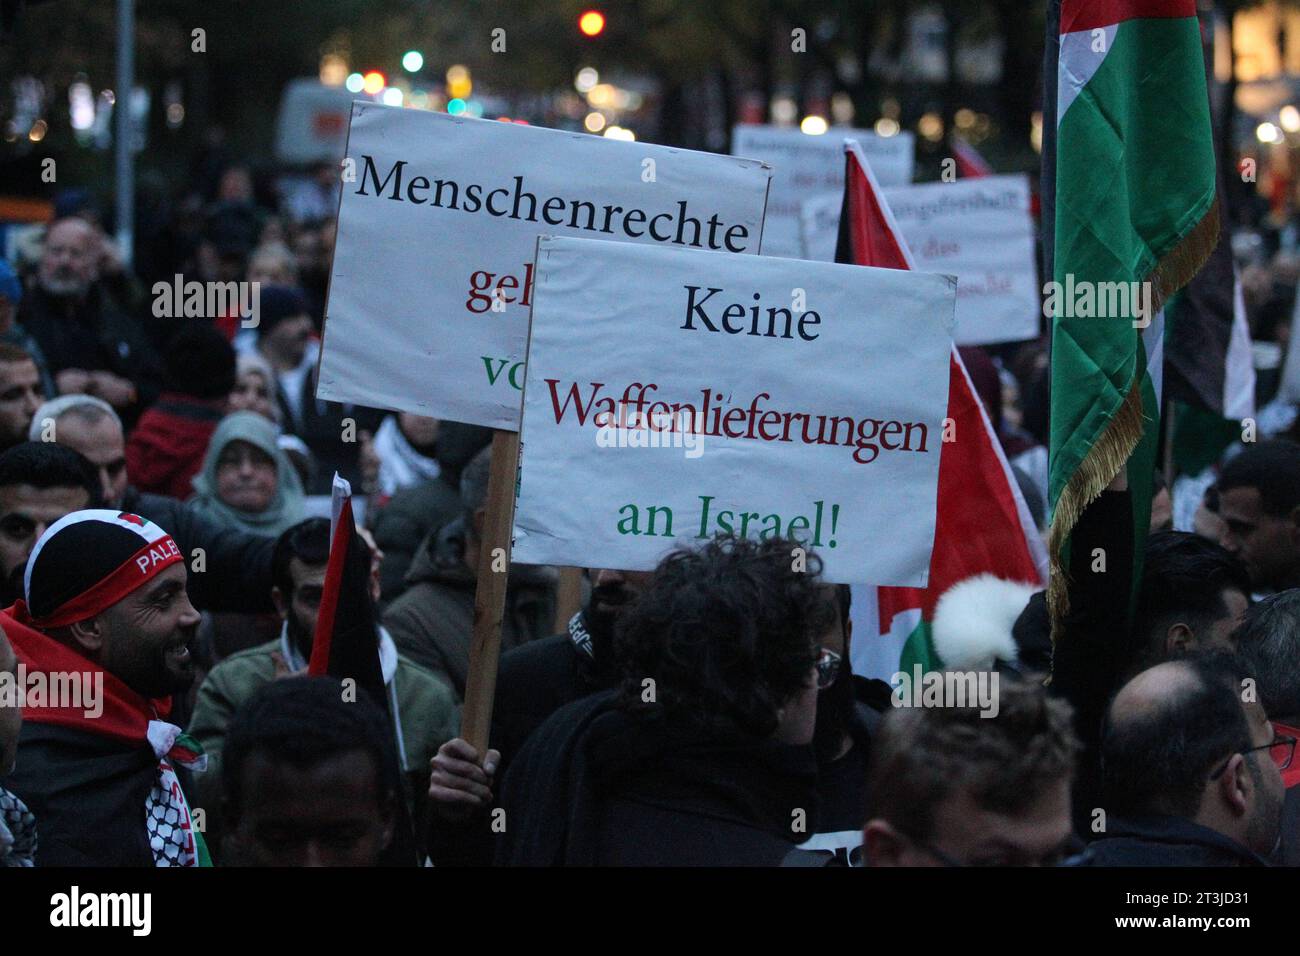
<point x="286" y="505"/>
<point x="600" y="786"/>
<point x="166" y="449"/>
<point x="433" y="621"/>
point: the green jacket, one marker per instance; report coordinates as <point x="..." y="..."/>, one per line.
<point x="426" y="709"/>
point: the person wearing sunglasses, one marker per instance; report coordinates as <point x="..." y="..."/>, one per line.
<point x="1191" y="769"/>
<point x="950" y="787"/>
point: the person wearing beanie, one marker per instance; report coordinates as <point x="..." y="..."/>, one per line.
<point x="166" y="449"/>
<point x="286" y="339"/>
<point x="106" y="616"/>
<point x="247" y="481"/>
<point x="12" y="333"/>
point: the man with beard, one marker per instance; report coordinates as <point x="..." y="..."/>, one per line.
<point x="236" y="566"/>
<point x="533" y="681"/>
<point x="107" y="626"/>
<point x="90" y="346"/>
<point x="1192" y="769"/>
<point x="426" y="714"/>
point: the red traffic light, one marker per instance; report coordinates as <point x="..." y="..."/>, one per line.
<point x="591" y="23"/>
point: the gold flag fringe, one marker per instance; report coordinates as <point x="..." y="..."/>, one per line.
<point x="1104" y="460"/>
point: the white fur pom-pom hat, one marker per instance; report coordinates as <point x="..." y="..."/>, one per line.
<point x="973" y="621"/>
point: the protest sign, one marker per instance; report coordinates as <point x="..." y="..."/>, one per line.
<point x="439" y="217"/>
<point x="980" y="230"/>
<point x="806" y="167"/>
<point x="672" y="395"/>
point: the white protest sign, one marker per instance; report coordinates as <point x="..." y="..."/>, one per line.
<point x="980" y="230"/>
<point x="672" y="395"/>
<point x="438" y="223"/>
<point x="806" y="167"/>
<point x="820" y="223"/>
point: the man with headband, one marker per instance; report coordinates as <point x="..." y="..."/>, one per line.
<point x="105" y="630"/>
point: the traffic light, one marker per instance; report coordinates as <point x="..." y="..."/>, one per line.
<point x="591" y="23"/>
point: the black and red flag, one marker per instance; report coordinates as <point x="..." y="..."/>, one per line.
<point x="346" y="646"/>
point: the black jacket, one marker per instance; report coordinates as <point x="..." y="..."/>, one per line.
<point x="237" y="574"/>
<point x="598" y="786"/>
<point x="1094" y="651"/>
<point x="433" y="620"/>
<point x="87" y="792"/>
<point x="1164" y="841"/>
<point x="93" y="335"/>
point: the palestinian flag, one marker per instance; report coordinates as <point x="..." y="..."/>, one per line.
<point x="346" y="646"/>
<point x="970" y="164"/>
<point x="983" y="525"/>
<point x="1209" y="366"/>
<point x="1134" y="208"/>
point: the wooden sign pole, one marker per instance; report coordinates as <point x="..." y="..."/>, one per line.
<point x="568" y="598"/>
<point x="490" y="592"/>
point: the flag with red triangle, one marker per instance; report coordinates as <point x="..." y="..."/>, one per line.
<point x="345" y="645"/>
<point x="983" y="525"/>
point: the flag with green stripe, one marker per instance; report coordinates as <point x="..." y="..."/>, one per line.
<point x="1135" y="216"/>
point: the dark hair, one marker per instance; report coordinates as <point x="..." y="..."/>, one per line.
<point x="308" y="541"/>
<point x="474" y="486"/>
<point x="1183" y="579"/>
<point x="200" y="362"/>
<point x="44" y="465"/>
<point x="277" y="303"/>
<point x="1156" y="758"/>
<point x="14" y="353"/>
<point x="1006" y="761"/>
<point x="1272" y="468"/>
<point x="844" y="598"/>
<point x="726" y="631"/>
<point x="304" y="721"/>
<point x="1269" y="641"/>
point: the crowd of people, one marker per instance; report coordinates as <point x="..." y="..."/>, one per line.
<point x="164" y="535"/>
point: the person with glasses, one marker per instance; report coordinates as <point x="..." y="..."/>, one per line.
<point x="1191" y="769"/>
<point x="951" y="787"/>
<point x="1269" y="638"/>
<point x="848" y="714"/>
<point x="700" y="756"/>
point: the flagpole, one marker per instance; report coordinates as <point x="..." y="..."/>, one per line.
<point x="490" y="590"/>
